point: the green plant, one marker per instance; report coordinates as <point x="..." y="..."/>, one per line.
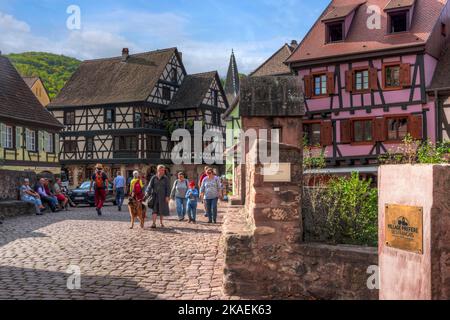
<point x="428" y="153"/>
<point x="352" y="206"/>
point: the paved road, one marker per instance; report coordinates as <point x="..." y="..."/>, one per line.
<point x="182" y="261"/>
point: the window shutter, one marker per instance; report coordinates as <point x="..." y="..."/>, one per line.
<point x="307" y="80"/>
<point x="405" y="74"/>
<point x="57" y="144"/>
<point x="415" y="127"/>
<point x="346" y="132"/>
<point x="18" y="137"/>
<point x="349" y="81"/>
<point x="373" y="78"/>
<point x="40" y="142"/>
<point x="2" y="134"/>
<point x="380" y="129"/>
<point x="326" y="133"/>
<point x="330" y="83"/>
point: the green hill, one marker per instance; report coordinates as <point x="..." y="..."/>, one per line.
<point x="54" y="70"/>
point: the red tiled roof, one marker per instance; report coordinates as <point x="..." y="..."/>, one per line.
<point x="341" y="12"/>
<point x="275" y="64"/>
<point x="361" y="39"/>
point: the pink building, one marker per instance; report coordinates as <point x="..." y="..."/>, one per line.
<point x="366" y="68"/>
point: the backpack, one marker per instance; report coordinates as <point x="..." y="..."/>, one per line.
<point x="137" y="187"/>
<point x="99" y="183"/>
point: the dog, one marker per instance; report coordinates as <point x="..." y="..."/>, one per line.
<point x="137" y="211"/>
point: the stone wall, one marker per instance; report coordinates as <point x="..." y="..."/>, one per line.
<point x="257" y="267"/>
<point x="10" y="181"/>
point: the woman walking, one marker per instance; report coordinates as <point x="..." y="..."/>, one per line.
<point x="210" y="191"/>
<point x="179" y="189"/>
<point x="158" y="194"/>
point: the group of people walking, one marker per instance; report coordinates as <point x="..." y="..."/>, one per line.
<point x="45" y="193"/>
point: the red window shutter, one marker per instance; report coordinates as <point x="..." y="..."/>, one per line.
<point x="405" y="74"/>
<point x="380" y="129"/>
<point x="307" y="80"/>
<point x="349" y="81"/>
<point x="346" y="131"/>
<point x="373" y="78"/>
<point x="326" y="133"/>
<point x="415" y="127"/>
<point x="330" y="83"/>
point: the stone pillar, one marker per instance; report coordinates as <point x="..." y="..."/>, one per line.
<point x="414" y="232"/>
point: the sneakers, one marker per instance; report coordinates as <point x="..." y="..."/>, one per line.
<point x="99" y="212"/>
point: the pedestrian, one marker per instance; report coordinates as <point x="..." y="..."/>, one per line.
<point x="179" y="189"/>
<point x="119" y="189"/>
<point x="44" y="196"/>
<point x="60" y="195"/>
<point x="192" y="196"/>
<point x="200" y="180"/>
<point x="99" y="181"/>
<point x="28" y="195"/>
<point x="210" y="191"/>
<point x="158" y="193"/>
<point x="137" y="187"/>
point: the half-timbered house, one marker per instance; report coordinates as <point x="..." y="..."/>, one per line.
<point x="121" y="111"/>
<point x="366" y="66"/>
<point x="28" y="132"/>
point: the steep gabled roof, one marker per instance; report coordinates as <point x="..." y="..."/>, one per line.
<point x="360" y="39"/>
<point x="275" y="64"/>
<point x="112" y="81"/>
<point x="441" y="77"/>
<point x="18" y="103"/>
<point x="232" y="81"/>
<point x="192" y="91"/>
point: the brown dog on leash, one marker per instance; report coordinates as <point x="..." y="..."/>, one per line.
<point x="137" y="210"/>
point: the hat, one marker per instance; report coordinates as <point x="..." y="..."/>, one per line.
<point x="98" y="166"/>
<point x="192" y="184"/>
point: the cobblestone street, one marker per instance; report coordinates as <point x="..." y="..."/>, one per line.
<point x="182" y="261"/>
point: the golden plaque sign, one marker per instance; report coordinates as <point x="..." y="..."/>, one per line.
<point x="404" y="228"/>
<point x="283" y="174"/>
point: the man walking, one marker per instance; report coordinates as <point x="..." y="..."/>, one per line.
<point x="119" y="189"/>
<point x="100" y="182"/>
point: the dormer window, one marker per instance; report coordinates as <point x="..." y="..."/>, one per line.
<point x="335" y="32"/>
<point x="398" y="21"/>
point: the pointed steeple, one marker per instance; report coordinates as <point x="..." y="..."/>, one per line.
<point x="232" y="81"/>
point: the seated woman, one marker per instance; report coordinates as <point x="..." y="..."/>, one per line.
<point x="62" y="199"/>
<point x="28" y="195"/>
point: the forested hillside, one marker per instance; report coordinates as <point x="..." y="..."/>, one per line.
<point x="54" y="70"/>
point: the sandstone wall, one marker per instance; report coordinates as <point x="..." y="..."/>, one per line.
<point x="10" y="181"/>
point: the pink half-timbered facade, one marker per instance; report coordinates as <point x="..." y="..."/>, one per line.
<point x="366" y="67"/>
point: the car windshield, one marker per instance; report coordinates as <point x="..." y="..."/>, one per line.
<point x="85" y="185"/>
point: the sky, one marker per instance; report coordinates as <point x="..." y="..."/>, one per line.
<point x="205" y="31"/>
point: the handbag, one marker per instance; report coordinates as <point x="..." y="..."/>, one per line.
<point x="151" y="200"/>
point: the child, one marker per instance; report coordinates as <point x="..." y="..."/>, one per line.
<point x="192" y="198"/>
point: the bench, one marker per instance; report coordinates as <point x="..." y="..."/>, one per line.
<point x="14" y="208"/>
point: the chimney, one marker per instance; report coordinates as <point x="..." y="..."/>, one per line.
<point x="125" y="54"/>
<point x="294" y="44"/>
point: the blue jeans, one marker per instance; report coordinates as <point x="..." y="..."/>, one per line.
<point x="120" y="195"/>
<point x="181" y="207"/>
<point x="211" y="209"/>
<point x="37" y="202"/>
<point x="192" y="210"/>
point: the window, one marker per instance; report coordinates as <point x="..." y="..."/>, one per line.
<point x="70" y="146"/>
<point x="50" y="143"/>
<point x="110" y="115"/>
<point x="392" y="76"/>
<point x="7" y="137"/>
<point x="137" y="119"/>
<point x="443" y="29"/>
<point x="311" y="133"/>
<point x="69" y="118"/>
<point x="166" y="94"/>
<point x="125" y="143"/>
<point x="174" y="75"/>
<point x="398" y="22"/>
<point x="153" y="143"/>
<point x="362" y="131"/>
<point x="30" y="137"/>
<point x="89" y="144"/>
<point x="397" y="128"/>
<point x="320" y="85"/>
<point x="361" y="80"/>
<point x="335" y="32"/>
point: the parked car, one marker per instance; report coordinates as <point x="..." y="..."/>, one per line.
<point x="81" y="194"/>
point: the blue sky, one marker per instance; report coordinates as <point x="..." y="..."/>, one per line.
<point x="204" y="30"/>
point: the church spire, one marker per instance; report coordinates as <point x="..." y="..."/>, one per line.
<point x="232" y="81"/>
